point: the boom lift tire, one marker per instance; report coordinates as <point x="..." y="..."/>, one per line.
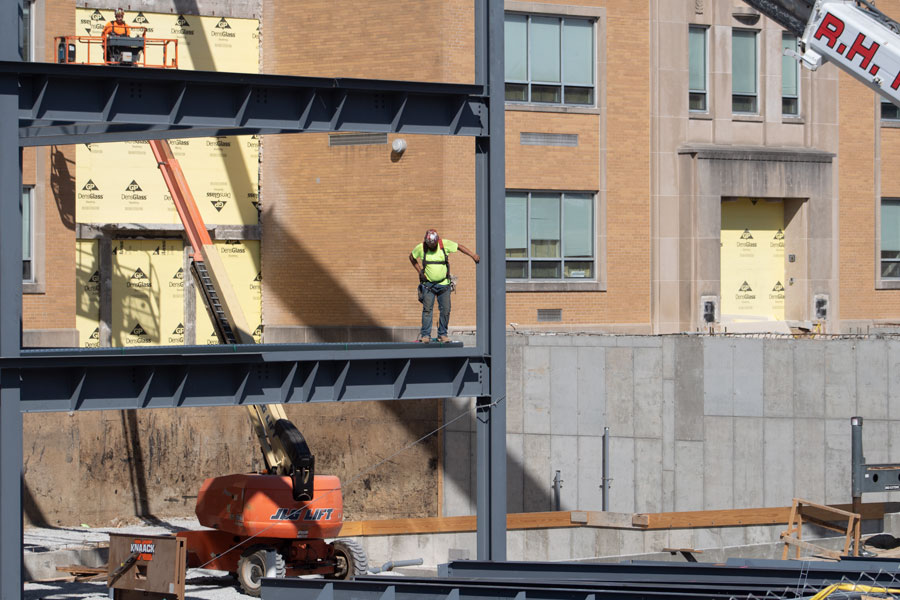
<point x="252" y="568"/>
<point x="351" y="559"/>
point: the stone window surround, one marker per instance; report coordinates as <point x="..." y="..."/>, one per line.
<point x="598" y="283"/>
<point x="566" y="10"/>
<point x="740" y="22"/>
<point x="712" y="173"/>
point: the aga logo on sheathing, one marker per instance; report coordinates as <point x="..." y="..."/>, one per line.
<point x="90" y="191"/>
<point x="177" y="335"/>
<point x="141" y="19"/>
<point x="139" y="279"/>
<point x="746" y="240"/>
<point x="138" y="330"/>
<point x="145" y="549"/>
<point x="132" y="192"/>
<point x="177" y="280"/>
<point x="777" y="292"/>
<point x="745" y="292"/>
<point x="220" y="30"/>
<point x="93" y="283"/>
<point x="181" y="26"/>
<point x="96" y="16"/>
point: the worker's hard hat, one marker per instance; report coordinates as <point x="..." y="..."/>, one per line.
<point x="431" y="237"/>
<point x="120" y="11"/>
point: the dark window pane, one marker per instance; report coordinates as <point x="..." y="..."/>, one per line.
<point x="579" y="270"/>
<point x="546" y="93"/>
<point x="545" y="270"/>
<point x="697" y="101"/>
<point x="578" y="95"/>
<point x="743" y="104"/>
<point x="789" y="106"/>
<point x="26" y="270"/>
<point x="890" y="111"/>
<point x="516" y="270"/>
<point x="889" y="254"/>
<point x="517" y="92"/>
<point x="890" y="269"/>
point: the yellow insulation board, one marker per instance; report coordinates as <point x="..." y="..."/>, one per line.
<point x="242" y="263"/>
<point x="87" y="293"/>
<point x="204" y="43"/>
<point x="120" y="182"/>
<point x="752" y="259"/>
<point x="147" y="300"/>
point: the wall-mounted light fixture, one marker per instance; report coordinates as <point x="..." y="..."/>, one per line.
<point x="398" y="146"/>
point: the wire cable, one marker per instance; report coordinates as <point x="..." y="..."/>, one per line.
<point x="361" y="474"/>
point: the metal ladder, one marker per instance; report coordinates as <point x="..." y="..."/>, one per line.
<point x="212" y="302"/>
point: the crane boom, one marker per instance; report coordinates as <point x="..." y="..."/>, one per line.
<point x="852" y="34"/>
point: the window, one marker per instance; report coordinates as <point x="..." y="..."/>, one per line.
<point x="27" y="233"/>
<point x="890" y="238"/>
<point x="27" y="33"/>
<point x="744" y="75"/>
<point x="549" y="60"/>
<point x="550" y="235"/>
<point x="697" y="59"/>
<point x="889" y="111"/>
<point x="790" y="77"/>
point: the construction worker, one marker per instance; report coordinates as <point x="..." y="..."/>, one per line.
<point x="434" y="280"/>
<point x="117" y="27"/>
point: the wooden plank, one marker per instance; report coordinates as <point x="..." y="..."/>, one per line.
<point x="747" y="516"/>
<point x="792" y="541"/>
<point x="81" y="570"/>
<point x="547" y="520"/>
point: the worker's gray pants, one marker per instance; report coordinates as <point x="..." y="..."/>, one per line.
<point x="442" y="293"/>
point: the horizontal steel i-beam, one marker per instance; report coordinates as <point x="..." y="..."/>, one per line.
<point x="167" y="378"/>
<point x="79" y="103"/>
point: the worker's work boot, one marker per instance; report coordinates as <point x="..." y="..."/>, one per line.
<point x="443" y="339"/>
<point x="424" y="339"/>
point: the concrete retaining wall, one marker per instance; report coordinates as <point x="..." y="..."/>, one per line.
<point x="696" y="422"/>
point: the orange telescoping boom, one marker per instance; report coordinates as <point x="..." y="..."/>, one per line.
<point x="221" y="301"/>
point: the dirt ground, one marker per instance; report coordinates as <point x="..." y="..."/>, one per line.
<point x="112" y="467"/>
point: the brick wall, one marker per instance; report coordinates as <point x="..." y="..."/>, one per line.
<point x="861" y="176"/>
<point x="323" y="195"/>
<point x="339" y="222"/>
<point x="54" y="308"/>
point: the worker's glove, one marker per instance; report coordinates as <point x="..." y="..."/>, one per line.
<point x="422" y="277"/>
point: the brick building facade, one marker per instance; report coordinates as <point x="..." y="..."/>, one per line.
<point x="644" y="184"/>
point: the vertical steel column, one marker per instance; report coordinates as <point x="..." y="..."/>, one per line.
<point x="490" y="201"/>
<point x="10" y="309"/>
<point x="857" y="462"/>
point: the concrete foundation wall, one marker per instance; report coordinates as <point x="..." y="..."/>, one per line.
<point x="696" y="423"/>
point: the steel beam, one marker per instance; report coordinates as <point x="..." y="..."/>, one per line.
<point x="490" y="185"/>
<point x="734" y="572"/>
<point x="105" y="381"/>
<point x="85" y="103"/>
<point x="10" y="311"/>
